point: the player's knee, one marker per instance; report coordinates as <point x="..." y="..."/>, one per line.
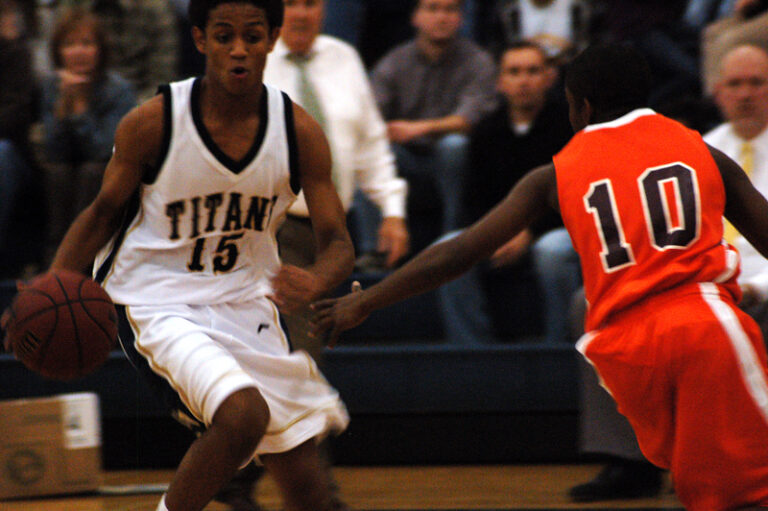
<point x="243" y="417"/>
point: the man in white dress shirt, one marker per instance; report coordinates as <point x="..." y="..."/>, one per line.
<point x="741" y="94"/>
<point x="342" y="101"/>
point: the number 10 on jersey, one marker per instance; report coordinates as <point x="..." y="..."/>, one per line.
<point x="671" y="208"/>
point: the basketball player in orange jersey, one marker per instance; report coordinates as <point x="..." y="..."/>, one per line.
<point x="183" y="237"/>
<point x="643" y="199"/>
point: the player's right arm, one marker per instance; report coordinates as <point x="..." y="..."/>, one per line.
<point x="137" y="144"/>
<point x="745" y="207"/>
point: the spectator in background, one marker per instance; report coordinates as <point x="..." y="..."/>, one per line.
<point x="18" y="173"/>
<point x="326" y="76"/>
<point x="529" y="126"/>
<point x="432" y="91"/>
<point x="191" y="62"/>
<point x="561" y="27"/>
<point x="82" y="104"/>
<point x="376" y="26"/>
<point x="746" y="23"/>
<point x="656" y="29"/>
<point x="741" y="93"/>
<point x="145" y="40"/>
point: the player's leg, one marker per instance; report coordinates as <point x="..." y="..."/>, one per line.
<point x="303" y="479"/>
<point x="173" y="346"/>
<point x="212" y="460"/>
<point x="722" y="409"/>
<point x="695" y="392"/>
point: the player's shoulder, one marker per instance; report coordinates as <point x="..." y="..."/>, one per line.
<point x="146" y="116"/>
<point x="141" y="129"/>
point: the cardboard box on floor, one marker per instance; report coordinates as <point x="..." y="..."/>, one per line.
<point x="50" y="445"/>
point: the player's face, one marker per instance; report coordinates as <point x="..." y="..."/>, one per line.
<point x="742" y="93"/>
<point x="438" y="20"/>
<point x="79" y="50"/>
<point x="524" y="78"/>
<point x="303" y="20"/>
<point x="236" y="42"/>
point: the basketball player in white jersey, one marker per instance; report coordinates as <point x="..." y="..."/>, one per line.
<point x="183" y="237"/>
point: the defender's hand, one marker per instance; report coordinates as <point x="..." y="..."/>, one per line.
<point x="334" y="315"/>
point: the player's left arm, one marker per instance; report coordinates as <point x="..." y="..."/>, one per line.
<point x="745" y="206"/>
<point x="334" y="254"/>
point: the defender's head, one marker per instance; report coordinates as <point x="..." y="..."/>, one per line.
<point x="604" y="82"/>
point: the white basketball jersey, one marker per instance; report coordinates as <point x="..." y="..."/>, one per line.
<point x="203" y="230"/>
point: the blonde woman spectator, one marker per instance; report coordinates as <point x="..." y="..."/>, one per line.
<point x="82" y="103"/>
<point x="145" y="39"/>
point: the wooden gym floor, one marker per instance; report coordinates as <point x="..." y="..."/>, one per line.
<point x="498" y="487"/>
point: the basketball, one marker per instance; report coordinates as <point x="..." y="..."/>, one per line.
<point x="62" y="325"/>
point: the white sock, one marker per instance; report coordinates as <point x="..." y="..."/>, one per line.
<point x="161" y="506"/>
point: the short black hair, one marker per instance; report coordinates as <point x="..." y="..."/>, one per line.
<point x="199" y="10"/>
<point x="610" y="76"/>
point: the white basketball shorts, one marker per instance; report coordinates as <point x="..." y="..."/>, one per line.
<point x="207" y="352"/>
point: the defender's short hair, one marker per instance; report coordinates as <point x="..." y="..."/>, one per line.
<point x="610" y="77"/>
<point x="199" y="10"/>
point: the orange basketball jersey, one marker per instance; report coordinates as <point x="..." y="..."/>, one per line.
<point x="643" y="201"/>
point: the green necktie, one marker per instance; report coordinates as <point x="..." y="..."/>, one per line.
<point x="307" y="92"/>
<point x="310" y="101"/>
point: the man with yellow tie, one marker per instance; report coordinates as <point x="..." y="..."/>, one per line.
<point x="741" y="93"/>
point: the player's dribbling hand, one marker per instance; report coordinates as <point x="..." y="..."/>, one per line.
<point x="334" y="315"/>
<point x="4" y="320"/>
<point x="6" y="317"/>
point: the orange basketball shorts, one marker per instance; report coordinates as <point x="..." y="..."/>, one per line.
<point x="688" y="369"/>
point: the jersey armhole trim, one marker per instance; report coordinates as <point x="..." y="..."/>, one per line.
<point x="293" y="147"/>
<point x="131" y="210"/>
<point x="151" y="173"/>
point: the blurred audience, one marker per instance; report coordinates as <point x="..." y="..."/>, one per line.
<point x="528" y="127"/>
<point x="376" y="26"/>
<point x="561" y="27"/>
<point x="144" y="39"/>
<point x="656" y="29"/>
<point x="432" y="90"/>
<point x="326" y="76"/>
<point x="746" y="22"/>
<point x="20" y="209"/>
<point x="741" y="93"/>
<point x="82" y="103"/>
